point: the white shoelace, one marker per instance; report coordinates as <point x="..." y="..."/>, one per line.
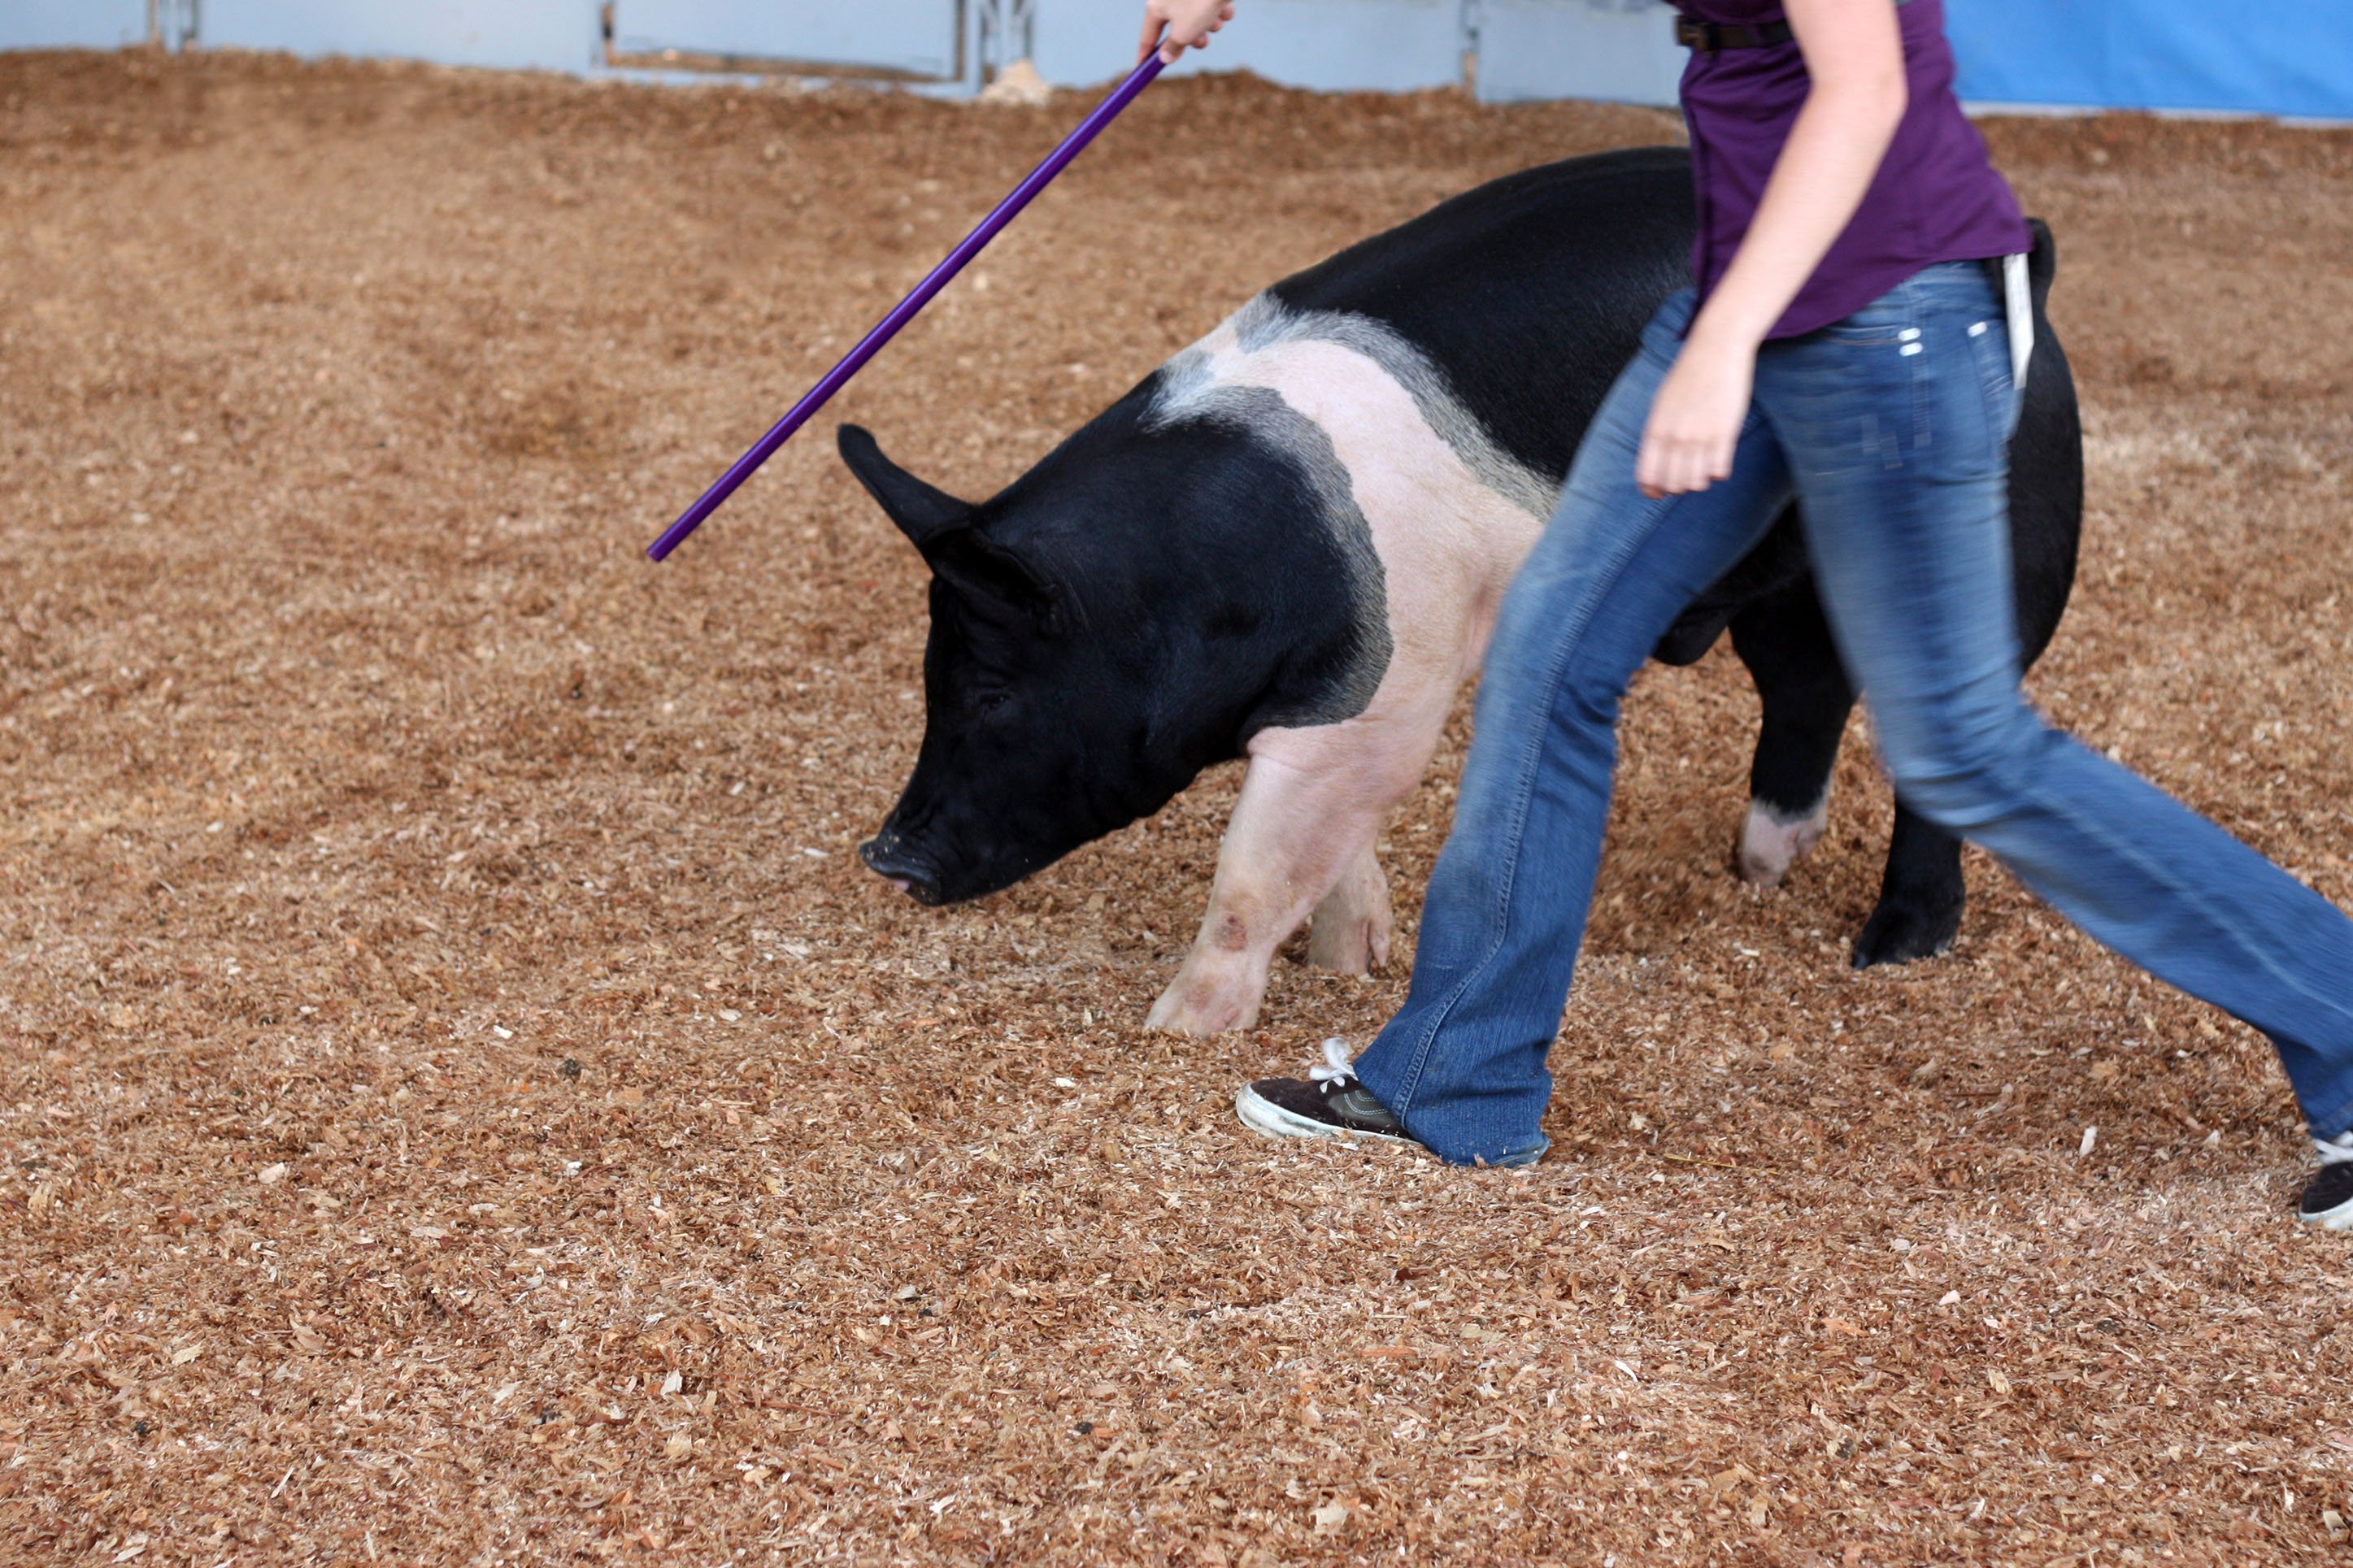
<point x="2338" y="1150"/>
<point x="1338" y="1065"/>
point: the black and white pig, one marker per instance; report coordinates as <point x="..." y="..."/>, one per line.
<point x="1287" y="545"/>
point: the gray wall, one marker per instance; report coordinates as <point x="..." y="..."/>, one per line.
<point x="919" y="37"/>
<point x="72" y="24"/>
<point x="547" y="34"/>
<point x="1614" y="49"/>
<point x="1375" y="45"/>
<point x="1622" y="50"/>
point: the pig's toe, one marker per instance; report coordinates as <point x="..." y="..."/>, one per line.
<point x="1773" y="840"/>
<point x="1195" y="1007"/>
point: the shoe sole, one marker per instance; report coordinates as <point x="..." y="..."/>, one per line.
<point x="1268" y="1120"/>
<point x="2338" y="1218"/>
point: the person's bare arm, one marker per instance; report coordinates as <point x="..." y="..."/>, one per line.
<point x="1175" y="26"/>
<point x="1854" y="54"/>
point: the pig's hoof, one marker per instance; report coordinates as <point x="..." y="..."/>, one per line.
<point x="1904" y="929"/>
<point x="1350" y="928"/>
<point x="1772" y="840"/>
<point x="1355" y="947"/>
<point x="1197" y="1009"/>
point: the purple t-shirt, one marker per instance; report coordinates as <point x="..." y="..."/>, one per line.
<point x="1935" y="198"/>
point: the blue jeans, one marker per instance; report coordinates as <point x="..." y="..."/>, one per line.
<point x="1892" y="429"/>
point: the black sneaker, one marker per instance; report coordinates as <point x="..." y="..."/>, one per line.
<point x="2328" y="1200"/>
<point x="1329" y="1103"/>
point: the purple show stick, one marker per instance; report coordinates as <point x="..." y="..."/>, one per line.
<point x="908" y="309"/>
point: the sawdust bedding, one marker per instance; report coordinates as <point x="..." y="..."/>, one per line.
<point x="464" y="1102"/>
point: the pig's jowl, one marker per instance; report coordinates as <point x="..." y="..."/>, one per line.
<point x="1288" y="543"/>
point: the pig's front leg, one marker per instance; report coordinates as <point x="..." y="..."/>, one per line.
<point x="1285" y="848"/>
<point x="1301" y="840"/>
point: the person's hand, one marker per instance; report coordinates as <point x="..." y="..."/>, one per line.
<point x="1697" y="416"/>
<point x="1172" y="26"/>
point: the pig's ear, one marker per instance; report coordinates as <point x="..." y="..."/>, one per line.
<point x="922" y="512"/>
<point x="978" y="567"/>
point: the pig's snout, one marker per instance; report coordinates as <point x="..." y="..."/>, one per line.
<point x="890" y="857"/>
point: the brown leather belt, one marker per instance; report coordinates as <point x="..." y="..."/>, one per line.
<point x="1711" y="37"/>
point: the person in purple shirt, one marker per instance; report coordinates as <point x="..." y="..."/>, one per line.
<point x="1844" y="342"/>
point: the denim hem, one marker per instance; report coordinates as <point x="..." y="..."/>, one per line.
<point x="2124" y="849"/>
<point x="2332" y="1124"/>
<point x="1521" y="1158"/>
<point x="1514" y="1156"/>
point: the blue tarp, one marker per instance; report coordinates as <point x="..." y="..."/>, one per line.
<point x="2254" y="57"/>
<point x="2250" y="56"/>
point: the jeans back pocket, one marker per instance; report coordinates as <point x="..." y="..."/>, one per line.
<point x="1989" y="348"/>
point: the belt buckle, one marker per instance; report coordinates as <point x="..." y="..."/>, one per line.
<point x="1700" y="36"/>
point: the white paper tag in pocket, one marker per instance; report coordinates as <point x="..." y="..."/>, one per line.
<point x="2019" y="297"/>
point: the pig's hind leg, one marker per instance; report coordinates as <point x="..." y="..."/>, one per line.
<point x="1349" y="930"/>
<point x="1921" y="896"/>
<point x="1302" y="840"/>
<point x="1785" y="641"/>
